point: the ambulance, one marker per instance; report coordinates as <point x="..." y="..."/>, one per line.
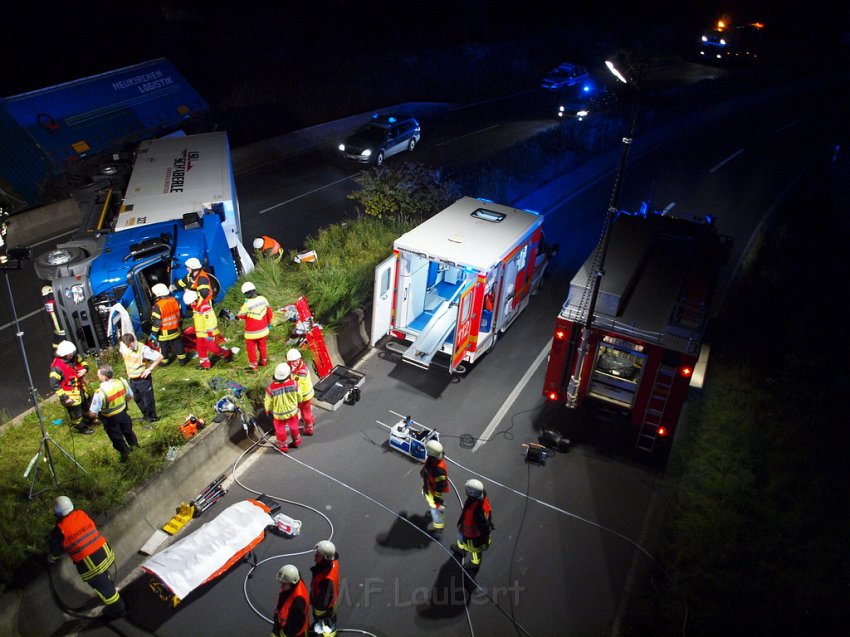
<point x="457" y="281"/>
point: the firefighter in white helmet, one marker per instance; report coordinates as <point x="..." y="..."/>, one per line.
<point x="475" y="525"/>
<point x="305" y="389"/>
<point x="257" y="314"/>
<point x="206" y="330"/>
<point x="281" y="403"/>
<point x="291" y="618"/>
<point x="166" y="317"/>
<point x="324" y="588"/>
<point x="197" y="279"/>
<point x="268" y="247"/>
<point x="67" y="380"/>
<point x="76" y="534"/>
<point x="435" y="484"/>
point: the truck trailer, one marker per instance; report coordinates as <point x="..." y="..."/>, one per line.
<point x="457" y="281"/>
<point x="180" y="203"/>
<point x="52" y="140"/>
<point x="635" y="360"/>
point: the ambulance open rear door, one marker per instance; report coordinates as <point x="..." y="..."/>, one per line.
<point x="463" y="326"/>
<point x="382" y="303"/>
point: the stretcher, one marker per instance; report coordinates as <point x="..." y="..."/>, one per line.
<point x="208" y="552"/>
<point x="411" y="439"/>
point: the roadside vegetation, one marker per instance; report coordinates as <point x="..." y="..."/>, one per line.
<point x="754" y="532"/>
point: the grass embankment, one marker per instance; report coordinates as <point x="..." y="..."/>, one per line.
<point x="339" y="282"/>
<point x="755" y="529"/>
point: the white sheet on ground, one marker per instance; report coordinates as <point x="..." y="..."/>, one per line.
<point x="186" y="564"/>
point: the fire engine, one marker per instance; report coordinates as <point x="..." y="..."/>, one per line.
<point x="635" y="359"/>
<point x="731" y="43"/>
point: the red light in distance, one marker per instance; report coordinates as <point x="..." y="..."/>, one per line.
<point x="686" y="371"/>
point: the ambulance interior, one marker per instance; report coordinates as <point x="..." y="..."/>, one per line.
<point x="427" y="296"/>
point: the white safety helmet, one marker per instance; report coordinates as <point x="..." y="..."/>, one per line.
<point x="474" y="488"/>
<point x="434" y="449"/>
<point x="258" y="243"/>
<point x="192" y="263"/>
<point x="293" y="355"/>
<point x="189" y="297"/>
<point x="46" y="290"/>
<point x="66" y="348"/>
<point x="288" y="574"/>
<point x="160" y="289"/>
<point x="326" y="549"/>
<point x="282" y="371"/>
<point x="62" y="506"/>
<point x="248" y="287"/>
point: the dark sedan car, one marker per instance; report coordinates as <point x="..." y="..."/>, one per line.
<point x="581" y="104"/>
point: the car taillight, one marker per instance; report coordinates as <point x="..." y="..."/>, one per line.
<point x="553" y="395"/>
<point x="686" y="371"/>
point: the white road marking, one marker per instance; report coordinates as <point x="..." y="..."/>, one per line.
<point x="20" y="318"/>
<point x="727" y="160"/>
<point x="454" y="139"/>
<point x="787" y="126"/>
<point x="306" y="194"/>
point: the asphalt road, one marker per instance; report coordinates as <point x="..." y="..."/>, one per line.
<point x="572" y="535"/>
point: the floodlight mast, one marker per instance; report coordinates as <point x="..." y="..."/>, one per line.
<point x="580" y="339"/>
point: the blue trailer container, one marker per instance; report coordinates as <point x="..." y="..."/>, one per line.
<point x="52" y="137"/>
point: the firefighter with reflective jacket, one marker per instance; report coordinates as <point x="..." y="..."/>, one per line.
<point x="67" y="380"/>
<point x="324" y="588"/>
<point x="475" y="524"/>
<point x="290" y="616"/>
<point x="165" y="325"/>
<point x="206" y="329"/>
<point x="281" y="403"/>
<point x="301" y="374"/>
<point x="110" y="402"/>
<point x="257" y="314"/>
<point x="197" y="279"/>
<point x="50" y="308"/>
<point x="268" y="247"/>
<point x="76" y="534"/>
<point x="435" y="484"/>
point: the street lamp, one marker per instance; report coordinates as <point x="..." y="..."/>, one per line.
<point x="578" y="348"/>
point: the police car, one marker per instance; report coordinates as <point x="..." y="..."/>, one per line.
<point x="382" y="136"/>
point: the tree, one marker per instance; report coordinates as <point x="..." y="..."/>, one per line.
<point x="411" y="192"/>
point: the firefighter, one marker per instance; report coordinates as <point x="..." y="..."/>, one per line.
<point x="290" y="615"/>
<point x="165" y="325"/>
<point x="435" y="484"/>
<point x="475" y="524"/>
<point x="135" y="355"/>
<point x="206" y="330"/>
<point x="67" y="380"/>
<point x="268" y="247"/>
<point x="50" y="307"/>
<point x="324" y="588"/>
<point x="76" y="534"/>
<point x="257" y="314"/>
<point x="110" y="401"/>
<point x="305" y="388"/>
<point x="281" y="403"/>
<point x="197" y="279"/>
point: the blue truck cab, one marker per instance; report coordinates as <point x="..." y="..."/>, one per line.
<point x="180" y="202"/>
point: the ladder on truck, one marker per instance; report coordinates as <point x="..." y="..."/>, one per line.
<point x="655" y="408"/>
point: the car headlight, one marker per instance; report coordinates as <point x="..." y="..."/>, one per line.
<point x="367" y="152"/>
<point x="78" y="294"/>
<point x="583" y="113"/>
<point x="561" y="109"/>
<point x="342" y="147"/>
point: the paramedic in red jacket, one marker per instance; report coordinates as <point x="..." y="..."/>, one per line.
<point x="305" y="388"/>
<point x="324" y="587"/>
<point x="76" y="535"/>
<point x="290" y="615"/>
<point x="257" y="314"/>
<point x="206" y="330"/>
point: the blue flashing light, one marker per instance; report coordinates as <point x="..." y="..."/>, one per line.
<point x="375" y="115"/>
<point x="391" y="120"/>
<point x="534" y="212"/>
<point x="485" y="200"/>
<point x="586" y="88"/>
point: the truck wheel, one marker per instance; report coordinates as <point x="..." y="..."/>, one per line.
<point x="47" y="265"/>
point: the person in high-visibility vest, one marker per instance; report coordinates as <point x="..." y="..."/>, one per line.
<point x="110" y="402"/>
<point x="435" y="484"/>
<point x="136" y="357"/>
<point x="76" y="534"/>
<point x="475" y="525"/>
<point x="197" y="279"/>
<point x="257" y="314"/>
<point x="290" y="615"/>
<point x="67" y="380"/>
<point x="206" y="330"/>
<point x="268" y="247"/>
<point x="165" y="325"/>
<point x="281" y="403"/>
<point x="301" y="374"/>
<point x="324" y="588"/>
